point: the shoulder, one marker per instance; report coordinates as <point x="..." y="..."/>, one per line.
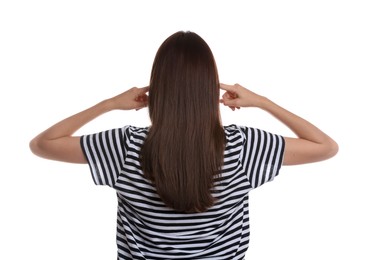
<point x="135" y="133"/>
<point x="247" y="134"/>
<point x="235" y="134"/>
<point x="233" y="131"/>
<point x="136" y="129"/>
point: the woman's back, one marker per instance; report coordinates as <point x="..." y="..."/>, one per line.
<point x="148" y="229"/>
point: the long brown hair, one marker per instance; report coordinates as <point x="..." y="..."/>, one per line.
<point x="183" y="151"/>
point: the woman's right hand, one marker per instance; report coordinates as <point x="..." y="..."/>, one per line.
<point x="310" y="145"/>
<point x="237" y="96"/>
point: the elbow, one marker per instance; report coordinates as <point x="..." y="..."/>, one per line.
<point x="35" y="146"/>
<point x="333" y="149"/>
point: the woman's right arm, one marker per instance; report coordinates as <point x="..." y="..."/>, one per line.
<point x="310" y="145"/>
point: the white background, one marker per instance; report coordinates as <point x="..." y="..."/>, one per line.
<point x="60" y="57"/>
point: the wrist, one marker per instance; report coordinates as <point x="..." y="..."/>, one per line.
<point x="263" y="102"/>
<point x="107" y="105"/>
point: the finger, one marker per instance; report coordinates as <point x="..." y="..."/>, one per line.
<point x="232" y="94"/>
<point x="144" y="90"/>
<point x="225" y="95"/>
<point x="226" y="87"/>
<point x="229" y="95"/>
<point x="142" y="98"/>
<point x="231" y="102"/>
<point x="141" y="105"/>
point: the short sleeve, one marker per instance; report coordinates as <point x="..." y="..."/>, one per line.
<point x="262" y="155"/>
<point x="105" y="153"/>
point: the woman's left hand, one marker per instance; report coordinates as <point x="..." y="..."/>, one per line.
<point x="58" y="143"/>
<point x="134" y="98"/>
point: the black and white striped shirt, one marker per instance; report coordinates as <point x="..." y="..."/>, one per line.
<point x="147" y="229"/>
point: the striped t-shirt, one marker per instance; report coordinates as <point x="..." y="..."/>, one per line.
<point x="147" y="229"/>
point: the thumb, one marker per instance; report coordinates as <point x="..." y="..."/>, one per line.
<point x="230" y="102"/>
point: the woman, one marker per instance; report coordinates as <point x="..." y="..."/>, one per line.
<point x="182" y="183"/>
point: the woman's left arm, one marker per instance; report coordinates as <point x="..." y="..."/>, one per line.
<point x="58" y="143"/>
